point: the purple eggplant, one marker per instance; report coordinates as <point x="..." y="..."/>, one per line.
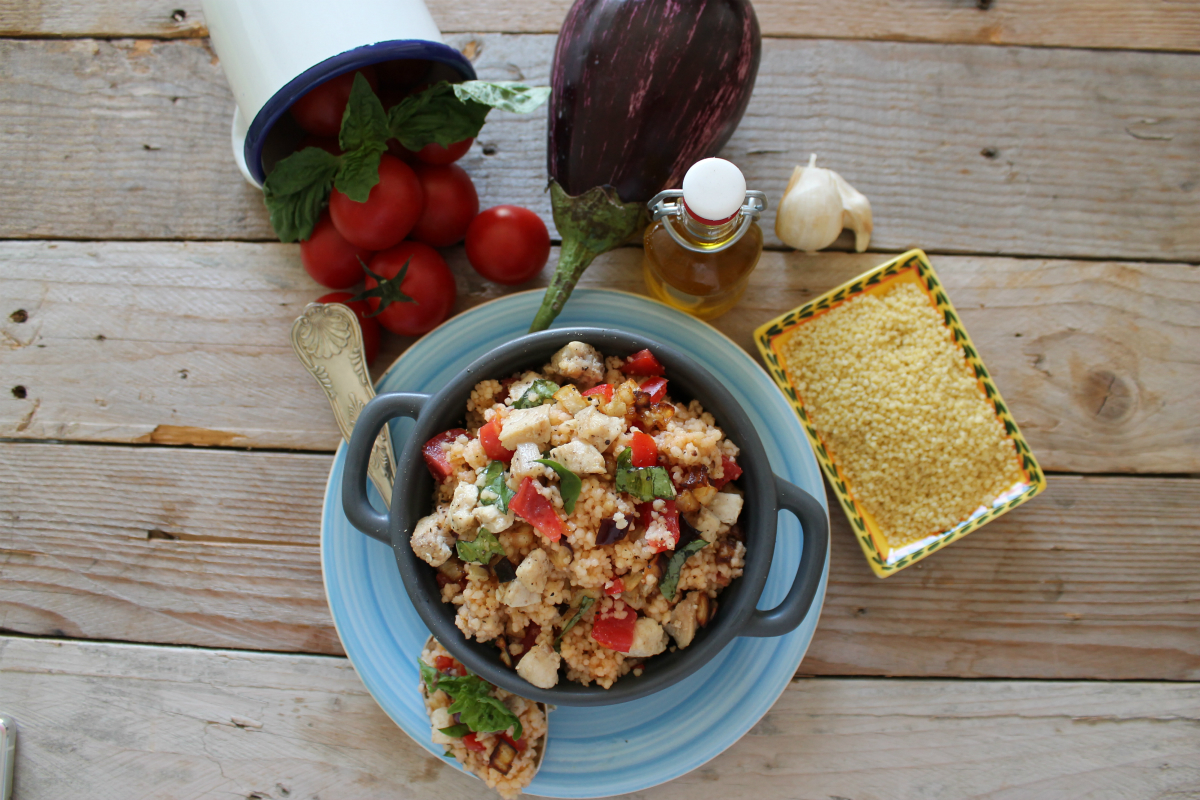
<point x="641" y="90"/>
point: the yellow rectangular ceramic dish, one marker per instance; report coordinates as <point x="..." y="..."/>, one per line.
<point x="1023" y="479"/>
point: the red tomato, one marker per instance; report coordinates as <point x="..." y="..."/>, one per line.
<point x="438" y="155"/>
<point x="615" y="634"/>
<point x="508" y="244"/>
<point x="450" y="204"/>
<point x="604" y="390"/>
<point x="614" y="587"/>
<point x="472" y="742"/>
<point x="428" y="282"/>
<point x="645" y="451"/>
<point x="670" y="517"/>
<point x="435" y="454"/>
<point x="392" y="208"/>
<point x="643" y="362"/>
<point x="448" y="664"/>
<point x="370" y="328"/>
<point x="329" y="259"/>
<point x="530" y="506"/>
<point x="655" y="387"/>
<point x="519" y="744"/>
<point x="489" y="438"/>
<point x="730" y="471"/>
<point x="320" y="111"/>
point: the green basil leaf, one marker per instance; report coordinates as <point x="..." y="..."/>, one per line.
<point x="483" y="713"/>
<point x="670" y="578"/>
<point x="435" y="116"/>
<point x="296" y="190"/>
<point x="482" y="549"/>
<point x="504" y="95"/>
<point x="569" y="484"/>
<point x="539" y="393"/>
<point x="457" y="731"/>
<point x="495" y="483"/>
<point x="429" y="676"/>
<point x="364" y="122"/>
<point x="359" y="172"/>
<point x="584" y="605"/>
<point x="644" y="483"/>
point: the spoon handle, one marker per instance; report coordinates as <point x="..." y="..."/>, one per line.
<point x="329" y="344"/>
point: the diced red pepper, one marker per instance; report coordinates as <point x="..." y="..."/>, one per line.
<point x="529" y="639"/>
<point x="519" y="744"/>
<point x="435" y="455"/>
<point x="645" y="451"/>
<point x="670" y="517"/>
<point x="604" y="390"/>
<point x="615" y="634"/>
<point x="730" y="472"/>
<point x="655" y="387"/>
<point x="489" y="437"/>
<point x="472" y="742"/>
<point x="643" y="362"/>
<point x="614" y="587"/>
<point x="530" y="506"/>
<point x="448" y="664"/>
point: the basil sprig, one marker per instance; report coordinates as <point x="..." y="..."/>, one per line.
<point x="495" y="483"/>
<point x="670" y="578"/>
<point x="644" y="483"/>
<point x="297" y="189"/>
<point x="584" y="605"/>
<point x="482" y="549"/>
<point x="473" y="702"/>
<point x="569" y="484"/>
<point x="457" y="731"/>
<point x="539" y="393"/>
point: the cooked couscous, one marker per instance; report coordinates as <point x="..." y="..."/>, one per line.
<point x="901" y="412"/>
<point x="505" y="760"/>
<point x="583" y="521"/>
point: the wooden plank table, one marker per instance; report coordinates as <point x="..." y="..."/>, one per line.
<point x="163" y="626"/>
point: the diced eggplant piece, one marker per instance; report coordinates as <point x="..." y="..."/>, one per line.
<point x="686" y="502"/>
<point x="503" y="757"/>
<point x="704" y="609"/>
<point x="504" y="569"/>
<point x="452" y="569"/>
<point x="657" y="567"/>
<point x="609" y="533"/>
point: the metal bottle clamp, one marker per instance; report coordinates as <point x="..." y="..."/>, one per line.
<point x="668" y="207"/>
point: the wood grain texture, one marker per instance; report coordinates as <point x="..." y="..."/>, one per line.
<point x="1096" y="579"/>
<point x="1089" y="153"/>
<point x="187" y="343"/>
<point x="125" y="721"/>
<point x="1143" y="24"/>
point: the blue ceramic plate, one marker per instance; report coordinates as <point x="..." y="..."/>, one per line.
<point x="593" y="752"/>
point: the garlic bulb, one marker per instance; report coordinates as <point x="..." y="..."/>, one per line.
<point x="816" y="205"/>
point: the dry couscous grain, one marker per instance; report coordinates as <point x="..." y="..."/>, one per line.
<point x="901" y="412"/>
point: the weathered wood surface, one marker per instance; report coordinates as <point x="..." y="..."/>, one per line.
<point x="121" y="721"/>
<point x="218" y="548"/>
<point x="960" y="148"/>
<point x="187" y="343"/>
<point x="1143" y="25"/>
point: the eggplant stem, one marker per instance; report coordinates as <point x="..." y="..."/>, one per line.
<point x="573" y="258"/>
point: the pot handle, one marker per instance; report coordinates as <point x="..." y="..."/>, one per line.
<point x="373" y="417"/>
<point x="788" y="615"/>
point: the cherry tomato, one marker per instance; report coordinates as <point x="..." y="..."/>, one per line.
<point x="370" y="328"/>
<point x="472" y="743"/>
<point x="489" y="438"/>
<point x="655" y="387"/>
<point x="392" y="208"/>
<point x="448" y="664"/>
<point x="329" y="259"/>
<point x="604" y="391"/>
<point x="645" y="451"/>
<point x="508" y="244"/>
<point x="530" y="506"/>
<point x="320" y="111"/>
<point x="450" y="204"/>
<point x="615" y="634"/>
<point x="438" y="155"/>
<point x="428" y="282"/>
<point x="518" y="744"/>
<point x="614" y="587"/>
<point x="435" y="454"/>
<point x="643" y="362"/>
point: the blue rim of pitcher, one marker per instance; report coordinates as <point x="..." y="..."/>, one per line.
<point x="359" y="57"/>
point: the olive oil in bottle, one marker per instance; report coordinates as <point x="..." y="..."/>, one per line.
<point x="704" y="241"/>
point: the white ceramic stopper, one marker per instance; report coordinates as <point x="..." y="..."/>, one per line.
<point x="714" y="189"/>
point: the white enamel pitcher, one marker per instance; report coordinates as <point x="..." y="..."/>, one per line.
<point x="275" y="51"/>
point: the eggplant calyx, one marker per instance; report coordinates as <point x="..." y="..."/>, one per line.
<point x="590" y="224"/>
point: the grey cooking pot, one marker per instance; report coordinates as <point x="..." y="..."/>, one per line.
<point x="412" y="499"/>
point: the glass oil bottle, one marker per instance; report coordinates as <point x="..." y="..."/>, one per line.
<point x="704" y="241"/>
